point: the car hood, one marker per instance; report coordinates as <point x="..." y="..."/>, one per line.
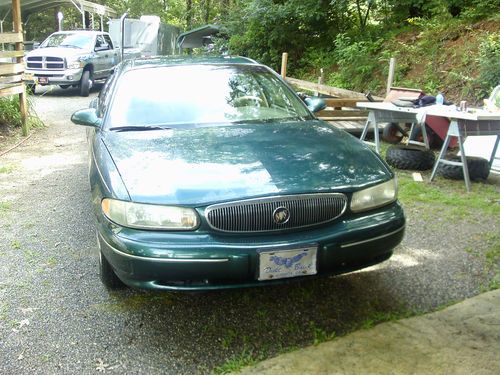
<point x="63" y="52"/>
<point x="224" y="163"/>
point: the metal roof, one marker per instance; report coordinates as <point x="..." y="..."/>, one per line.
<point x="195" y="38"/>
<point x="33" y="6"/>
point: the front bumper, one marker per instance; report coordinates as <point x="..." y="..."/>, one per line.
<point x="53" y="77"/>
<point x="202" y="261"/>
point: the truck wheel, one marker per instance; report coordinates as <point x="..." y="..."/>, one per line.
<point x="408" y="157"/>
<point x="107" y="275"/>
<point x="479" y="168"/>
<point x="392" y="133"/>
<point x="85" y="83"/>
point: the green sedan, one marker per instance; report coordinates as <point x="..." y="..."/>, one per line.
<point x="212" y="173"/>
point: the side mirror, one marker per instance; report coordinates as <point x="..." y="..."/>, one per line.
<point x="86" y="117"/>
<point x="315" y="104"/>
<point x="102" y="47"/>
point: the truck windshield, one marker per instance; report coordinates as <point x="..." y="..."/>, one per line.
<point x="76" y="40"/>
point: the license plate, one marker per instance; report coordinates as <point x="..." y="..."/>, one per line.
<point x="280" y="264"/>
<point x="43" y="80"/>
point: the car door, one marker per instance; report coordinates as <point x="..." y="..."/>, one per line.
<point x="104" y="53"/>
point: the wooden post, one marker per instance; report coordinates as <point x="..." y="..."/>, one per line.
<point x="284" y="61"/>
<point x="390" y="78"/>
<point x="18" y="28"/>
<point x="321" y="80"/>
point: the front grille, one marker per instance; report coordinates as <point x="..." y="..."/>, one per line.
<point x="257" y="215"/>
<point x="33" y="65"/>
<point x="45" y="62"/>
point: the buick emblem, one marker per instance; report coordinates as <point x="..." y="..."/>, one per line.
<point x="281" y="215"/>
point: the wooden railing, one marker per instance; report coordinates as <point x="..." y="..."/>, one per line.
<point x="11" y="71"/>
<point x="342" y="105"/>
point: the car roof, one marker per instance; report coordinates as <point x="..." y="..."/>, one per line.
<point x="81" y="31"/>
<point x="162" y="61"/>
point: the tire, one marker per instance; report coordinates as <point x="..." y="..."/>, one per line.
<point x="408" y="157"/>
<point x="435" y="142"/>
<point x="392" y="133"/>
<point x="31" y="87"/>
<point x="64" y="86"/>
<point x="479" y="169"/>
<point x="85" y="83"/>
<point x="107" y="275"/>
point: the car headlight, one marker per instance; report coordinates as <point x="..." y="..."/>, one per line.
<point x="74" y="64"/>
<point x="149" y="216"/>
<point x="375" y="196"/>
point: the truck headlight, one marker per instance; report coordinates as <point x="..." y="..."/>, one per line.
<point x="149" y="216"/>
<point x="375" y="196"/>
<point x="74" y="64"/>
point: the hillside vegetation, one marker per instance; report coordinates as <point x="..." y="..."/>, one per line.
<point x="460" y="60"/>
<point x="452" y="46"/>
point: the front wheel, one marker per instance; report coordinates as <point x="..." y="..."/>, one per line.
<point x="107" y="275"/>
<point x="85" y="83"/>
<point x="31" y="88"/>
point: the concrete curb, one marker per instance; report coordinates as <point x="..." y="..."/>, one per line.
<point x="461" y="339"/>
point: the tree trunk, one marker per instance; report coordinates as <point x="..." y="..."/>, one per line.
<point x="189" y="16"/>
<point x="207" y="11"/>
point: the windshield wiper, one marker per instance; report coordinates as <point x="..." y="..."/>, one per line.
<point x="132" y="128"/>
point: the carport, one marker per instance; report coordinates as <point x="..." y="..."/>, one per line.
<point x="196" y="38"/>
<point x="29" y="7"/>
<point x="11" y="42"/>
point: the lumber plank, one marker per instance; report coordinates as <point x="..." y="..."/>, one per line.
<point x="11" y="68"/>
<point x="11" y="79"/>
<point x="11" y="38"/>
<point x="327" y="90"/>
<point x="17" y="89"/>
<point x="7" y="54"/>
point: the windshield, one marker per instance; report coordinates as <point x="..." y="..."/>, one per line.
<point x="202" y="94"/>
<point x="76" y="40"/>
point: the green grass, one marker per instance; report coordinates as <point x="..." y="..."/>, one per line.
<point x="6" y="168"/>
<point x="448" y="198"/>
<point x="136" y="301"/>
<point x="378" y="317"/>
<point x="483" y="198"/>
<point x="237" y="362"/>
<point x="5" y="206"/>
<point x="319" y="334"/>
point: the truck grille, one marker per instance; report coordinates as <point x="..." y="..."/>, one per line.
<point x="45" y="62"/>
<point x="276" y="213"/>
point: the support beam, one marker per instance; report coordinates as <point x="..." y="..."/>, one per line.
<point x="18" y="28"/>
<point x="284" y="62"/>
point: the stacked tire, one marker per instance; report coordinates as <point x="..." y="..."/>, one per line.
<point x="478" y="168"/>
<point x="409" y="157"/>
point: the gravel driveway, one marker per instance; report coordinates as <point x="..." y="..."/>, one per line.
<point x="56" y="317"/>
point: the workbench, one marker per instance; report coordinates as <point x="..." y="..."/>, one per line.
<point x="462" y="124"/>
<point x="383" y="112"/>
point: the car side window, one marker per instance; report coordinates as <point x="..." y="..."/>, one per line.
<point x="104" y="98"/>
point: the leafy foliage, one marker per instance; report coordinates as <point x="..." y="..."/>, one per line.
<point x="435" y="42"/>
